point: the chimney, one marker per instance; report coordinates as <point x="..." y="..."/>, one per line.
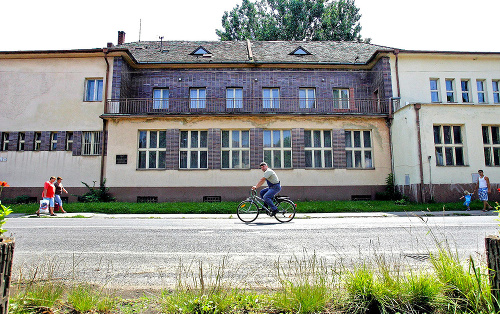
<point x="121" y="37"/>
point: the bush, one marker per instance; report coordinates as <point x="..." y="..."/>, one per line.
<point x="94" y="194"/>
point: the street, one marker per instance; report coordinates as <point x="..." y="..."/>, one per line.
<point x="150" y="251"/>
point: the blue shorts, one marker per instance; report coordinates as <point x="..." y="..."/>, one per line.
<point x="483" y="194"/>
<point x="51" y="201"/>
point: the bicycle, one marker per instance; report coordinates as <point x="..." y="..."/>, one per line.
<point x="249" y="209"/>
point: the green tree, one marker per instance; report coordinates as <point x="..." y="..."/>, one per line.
<point x="292" y="20"/>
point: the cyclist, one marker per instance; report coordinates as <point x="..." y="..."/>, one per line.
<point x="273" y="187"/>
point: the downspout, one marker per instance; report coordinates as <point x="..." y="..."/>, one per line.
<point x="419" y="145"/>
<point x="396" y="54"/>
<point x="104" y="121"/>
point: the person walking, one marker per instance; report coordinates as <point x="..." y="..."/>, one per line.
<point x="59" y="189"/>
<point x="48" y="195"/>
<point x="483" y="188"/>
<point x="273" y="187"/>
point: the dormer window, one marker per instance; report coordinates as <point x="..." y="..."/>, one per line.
<point x="300" y="52"/>
<point x="200" y="51"/>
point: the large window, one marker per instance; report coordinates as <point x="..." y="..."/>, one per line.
<point x="91" y="143"/>
<point x="318" y="148"/>
<point x="450" y="90"/>
<point x="197" y="97"/>
<point x="271" y="97"/>
<point x="496" y="92"/>
<point x="193" y="150"/>
<point x="465" y="84"/>
<point x="491" y="141"/>
<point x="5" y="141"/>
<point x="53" y="141"/>
<point x="152" y="149"/>
<point x="235" y="149"/>
<point x="449" y="145"/>
<point x="278" y="148"/>
<point x="341" y="98"/>
<point x="93" y="90"/>
<point x="358" y="149"/>
<point x="434" y="85"/>
<point x="234" y="97"/>
<point x="20" y="141"/>
<point x="160" y="98"/>
<point x="307" y="98"/>
<point x="481" y="91"/>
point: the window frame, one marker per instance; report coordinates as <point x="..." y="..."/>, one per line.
<point x="465" y="87"/>
<point x="5" y="141"/>
<point x="241" y="150"/>
<point x="491" y="145"/>
<point x="94" y="93"/>
<point x="53" y="141"/>
<point x="305" y="99"/>
<point x="159" y="150"/>
<point x="273" y="100"/>
<point x="91" y="143"/>
<point x="189" y="149"/>
<point x="236" y="100"/>
<point x="69" y="141"/>
<point x="442" y="148"/>
<point x="450" y="92"/>
<point x="435" y="92"/>
<point x="322" y="151"/>
<point x="37" y="141"/>
<point x="283" y="151"/>
<point x="340" y="102"/>
<point x="163" y="101"/>
<point x="200" y="101"/>
<point x="495" y="85"/>
<point x="21" y="141"/>
<point x="351" y="150"/>
<point x="482" y="93"/>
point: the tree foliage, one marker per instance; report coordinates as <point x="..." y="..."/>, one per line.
<point x="292" y="20"/>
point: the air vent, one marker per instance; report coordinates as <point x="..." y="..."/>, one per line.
<point x="212" y="199"/>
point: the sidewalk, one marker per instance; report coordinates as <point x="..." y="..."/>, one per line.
<point x="234" y="216"/>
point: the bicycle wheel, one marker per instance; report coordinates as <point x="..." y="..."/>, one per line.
<point x="247" y="211"/>
<point x="286" y="211"/>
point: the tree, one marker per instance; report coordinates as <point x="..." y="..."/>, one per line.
<point x="292" y="20"/>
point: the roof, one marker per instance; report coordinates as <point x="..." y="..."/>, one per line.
<point x="321" y="52"/>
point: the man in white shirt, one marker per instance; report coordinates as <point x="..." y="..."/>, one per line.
<point x="483" y="188"/>
<point x="273" y="187"/>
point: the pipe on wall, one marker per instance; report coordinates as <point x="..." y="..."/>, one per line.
<point x="104" y="121"/>
<point x="419" y="144"/>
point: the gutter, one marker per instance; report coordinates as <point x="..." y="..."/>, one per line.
<point x="419" y="146"/>
<point x="104" y="121"/>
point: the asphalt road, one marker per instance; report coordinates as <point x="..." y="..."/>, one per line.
<point x="150" y="251"/>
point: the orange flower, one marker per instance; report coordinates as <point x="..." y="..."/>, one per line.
<point x="4" y="184"/>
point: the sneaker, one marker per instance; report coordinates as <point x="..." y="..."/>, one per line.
<point x="38" y="214"/>
<point x="274" y="212"/>
<point x="53" y="214"/>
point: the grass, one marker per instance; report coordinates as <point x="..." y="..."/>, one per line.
<point x="230" y="207"/>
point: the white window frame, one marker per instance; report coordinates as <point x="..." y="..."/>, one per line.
<point x="93" y="89"/>
<point x="194" y="152"/>
<point x="270" y="97"/>
<point x="161" y="98"/>
<point x="152" y="149"/>
<point x="341" y="98"/>
<point x="435" y="94"/>
<point x="318" y="148"/>
<point x="21" y="140"/>
<point x="491" y="142"/>
<point x="359" y="149"/>
<point x="481" y="91"/>
<point x="5" y="141"/>
<point x="446" y="145"/>
<point x="234" y="97"/>
<point x="466" y="90"/>
<point x="53" y="141"/>
<point x="450" y="90"/>
<point x="235" y="149"/>
<point x="278" y="148"/>
<point x="69" y="141"/>
<point x="91" y="143"/>
<point x="197" y="97"/>
<point x="37" y="141"/>
<point x="307" y="97"/>
<point x="496" y="91"/>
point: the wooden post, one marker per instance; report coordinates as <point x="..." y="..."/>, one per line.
<point x="493" y="256"/>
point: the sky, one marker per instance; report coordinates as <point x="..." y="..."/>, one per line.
<point x="442" y="25"/>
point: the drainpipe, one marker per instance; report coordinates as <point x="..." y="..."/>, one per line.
<point x="104" y="121"/>
<point x="396" y="54"/>
<point x="419" y="144"/>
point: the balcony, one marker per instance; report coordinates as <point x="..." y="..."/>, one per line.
<point x="184" y="106"/>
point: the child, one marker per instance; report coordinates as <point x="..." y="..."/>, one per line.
<point x="467" y="198"/>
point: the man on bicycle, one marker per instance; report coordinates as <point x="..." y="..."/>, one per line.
<point x="273" y="187"/>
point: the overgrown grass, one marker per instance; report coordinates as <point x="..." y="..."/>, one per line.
<point x="230" y="207"/>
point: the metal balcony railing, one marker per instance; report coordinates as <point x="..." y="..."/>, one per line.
<point x="143" y="106"/>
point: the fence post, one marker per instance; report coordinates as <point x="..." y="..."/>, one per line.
<point x="492" y="243"/>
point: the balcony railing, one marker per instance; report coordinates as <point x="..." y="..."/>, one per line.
<point x="143" y="106"/>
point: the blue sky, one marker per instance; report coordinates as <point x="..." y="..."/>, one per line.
<point x="455" y="25"/>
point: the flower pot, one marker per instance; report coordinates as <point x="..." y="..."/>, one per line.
<point x="6" y="257"/>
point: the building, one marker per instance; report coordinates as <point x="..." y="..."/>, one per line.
<point x="187" y="121"/>
<point x="447" y="125"/>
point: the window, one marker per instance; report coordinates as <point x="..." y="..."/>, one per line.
<point x="341" y="98"/>
<point x="69" y="141"/>
<point x="93" y="90"/>
<point x="37" y="142"/>
<point x="449" y="145"/>
<point x="358" y="149"/>
<point x="481" y="91"/>
<point x="318" y="148"/>
<point x="450" y="90"/>
<point x="5" y="141"/>
<point x="278" y="148"/>
<point x="152" y="149"/>
<point x="20" y="141"/>
<point x="91" y="143"/>
<point x="193" y="152"/>
<point x="307" y="97"/>
<point x="491" y="141"/>
<point x="300" y="52"/>
<point x="197" y="97"/>
<point x="496" y="92"/>
<point x="465" y="91"/>
<point x="235" y="149"/>
<point x="271" y="97"/>
<point x="160" y="98"/>
<point x="434" y="90"/>
<point x="53" y="141"/>
<point x="234" y="97"/>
